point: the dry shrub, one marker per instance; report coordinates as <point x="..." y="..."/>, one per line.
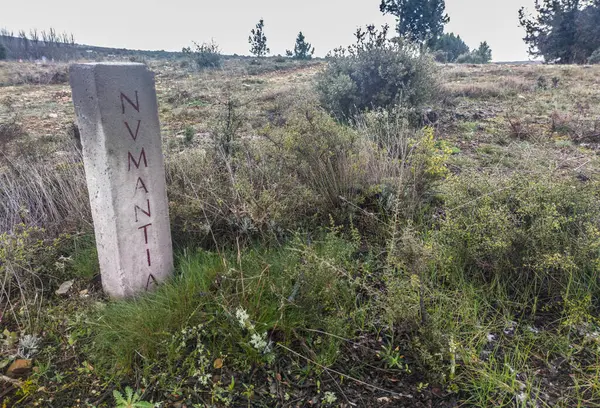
<point x="304" y="169"/>
<point x="9" y="131"/>
<point x="482" y="90"/>
<point x="581" y="126"/>
<point x="18" y="73"/>
<point x="39" y="201"/>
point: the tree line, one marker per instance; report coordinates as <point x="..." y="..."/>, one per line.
<point x="559" y="31"/>
<point x="418" y="21"/>
<point x="36" y="44"/>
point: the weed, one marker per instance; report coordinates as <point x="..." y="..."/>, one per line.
<point x="130" y="399"/>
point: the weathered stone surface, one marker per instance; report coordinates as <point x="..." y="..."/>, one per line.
<point x="117" y="115"/>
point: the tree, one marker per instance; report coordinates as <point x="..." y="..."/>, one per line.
<point x="451" y="46"/>
<point x="481" y="55"/>
<point x="302" y="49"/>
<point x="593" y="59"/>
<point x="418" y="20"/>
<point x="562" y="31"/>
<point x="484" y="52"/>
<point x="258" y="40"/>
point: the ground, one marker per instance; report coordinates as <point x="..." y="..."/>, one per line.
<point x="517" y="141"/>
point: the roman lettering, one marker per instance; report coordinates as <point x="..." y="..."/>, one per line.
<point x="137" y="129"/>
<point x="136" y="208"/>
<point x="135" y="105"/>
<point x="137" y="163"/>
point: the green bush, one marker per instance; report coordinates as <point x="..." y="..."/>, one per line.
<point x="374" y="73"/>
<point x="32" y="265"/>
<point x="536" y="235"/>
<point x="593" y="59"/>
<point x="481" y="55"/>
<point x="449" y="47"/>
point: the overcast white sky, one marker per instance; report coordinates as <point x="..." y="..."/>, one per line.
<point x="172" y="24"/>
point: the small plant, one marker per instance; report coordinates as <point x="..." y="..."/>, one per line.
<point x="130" y="400"/>
<point x="329" y="397"/>
<point x="542" y="82"/>
<point x="392" y="357"/>
<point x="28" y="346"/>
<point x="188" y="135"/>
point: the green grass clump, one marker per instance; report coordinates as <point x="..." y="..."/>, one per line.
<point x="280" y="291"/>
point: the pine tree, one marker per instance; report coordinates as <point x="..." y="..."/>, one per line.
<point x="562" y="31"/>
<point x="302" y="49"/>
<point x="258" y="40"/>
<point x="484" y="53"/>
<point x="418" y="20"/>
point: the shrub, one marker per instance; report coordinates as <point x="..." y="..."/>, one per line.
<point x="2" y="52"/>
<point x="451" y="47"/>
<point x="376" y="72"/>
<point x="545" y="233"/>
<point x="205" y="55"/>
<point x="595" y="57"/>
<point x="481" y="55"/>
<point x="10" y="131"/>
<point x="303" y="168"/>
<point x="32" y="265"/>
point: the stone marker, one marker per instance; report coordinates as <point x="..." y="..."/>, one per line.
<point x="117" y="115"/>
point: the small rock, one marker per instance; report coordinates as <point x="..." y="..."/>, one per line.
<point x="19" y="368"/>
<point x="53" y="115"/>
<point x="64" y="287"/>
<point x="83" y="293"/>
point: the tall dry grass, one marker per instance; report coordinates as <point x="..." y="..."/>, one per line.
<point x="19" y="73"/>
<point x="52" y="196"/>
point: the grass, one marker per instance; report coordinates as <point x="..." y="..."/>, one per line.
<point x="459" y="266"/>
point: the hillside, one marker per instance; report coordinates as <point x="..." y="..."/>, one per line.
<point x="373" y="263"/>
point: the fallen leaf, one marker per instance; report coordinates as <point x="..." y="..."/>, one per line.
<point x="218" y="363"/>
<point x="63" y="289"/>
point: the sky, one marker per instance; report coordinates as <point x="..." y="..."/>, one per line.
<point x="173" y="24"/>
